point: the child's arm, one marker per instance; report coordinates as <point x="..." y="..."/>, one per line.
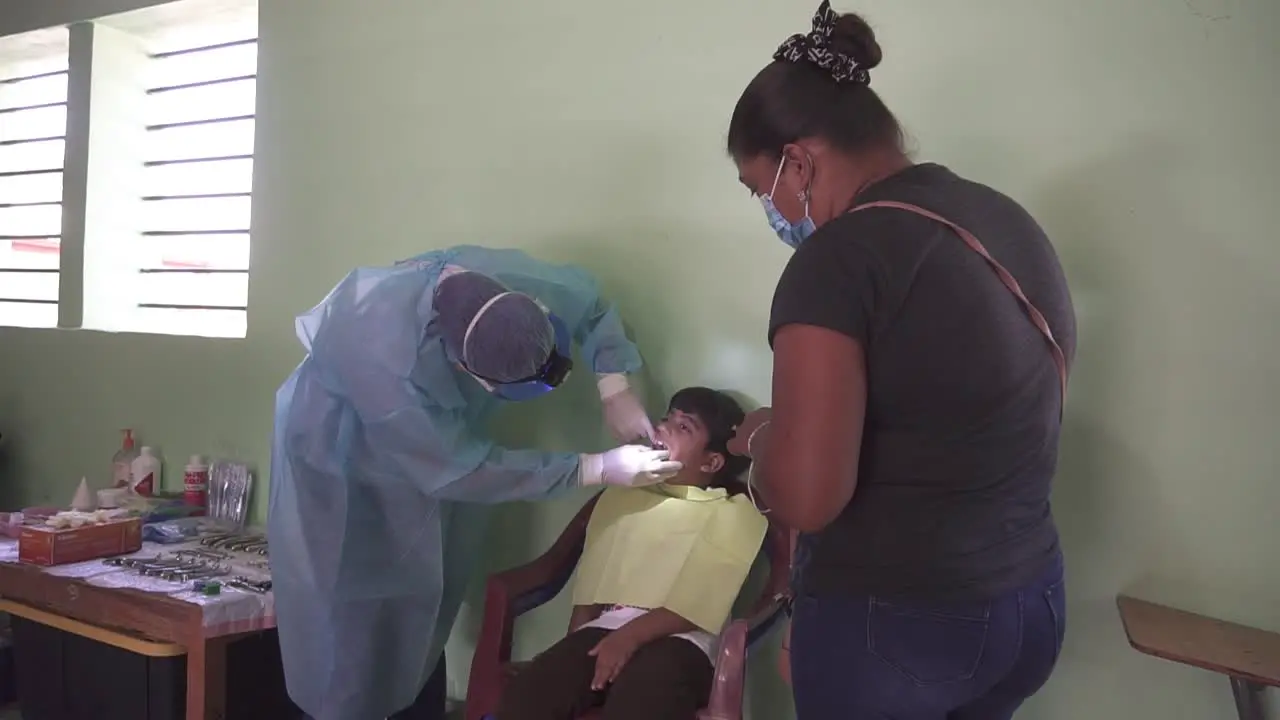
<point x="583" y="614"/>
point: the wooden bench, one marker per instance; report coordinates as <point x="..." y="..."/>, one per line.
<point x="1248" y="656"/>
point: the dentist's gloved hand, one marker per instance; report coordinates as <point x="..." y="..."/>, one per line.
<point x="623" y="411"/>
<point x="629" y="465"/>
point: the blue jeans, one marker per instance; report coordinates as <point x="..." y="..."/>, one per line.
<point x="859" y="658"/>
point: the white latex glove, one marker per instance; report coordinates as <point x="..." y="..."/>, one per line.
<point x="629" y="465"/>
<point x="623" y="412"/>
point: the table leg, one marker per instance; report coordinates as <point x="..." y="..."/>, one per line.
<point x="1249" y="699"/>
<point x="207" y="679"/>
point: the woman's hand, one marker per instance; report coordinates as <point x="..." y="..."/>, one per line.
<point x="740" y="443"/>
<point x="612" y="654"/>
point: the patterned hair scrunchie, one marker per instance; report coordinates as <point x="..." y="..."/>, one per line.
<point x="815" y="47"/>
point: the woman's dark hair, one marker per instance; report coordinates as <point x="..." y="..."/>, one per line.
<point x="796" y="97"/>
<point x="720" y="415"/>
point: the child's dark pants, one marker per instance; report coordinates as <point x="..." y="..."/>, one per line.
<point x="667" y="679"/>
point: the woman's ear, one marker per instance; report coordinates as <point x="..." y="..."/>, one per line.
<point x="712" y="463"/>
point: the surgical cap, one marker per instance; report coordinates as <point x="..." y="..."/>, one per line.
<point x="510" y="340"/>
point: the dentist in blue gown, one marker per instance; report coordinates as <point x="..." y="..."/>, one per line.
<point x="382" y="470"/>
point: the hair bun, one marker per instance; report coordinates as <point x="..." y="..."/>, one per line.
<point x="842" y="45"/>
<point x="852" y="36"/>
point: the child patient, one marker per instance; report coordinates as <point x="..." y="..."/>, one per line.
<point x="659" y="573"/>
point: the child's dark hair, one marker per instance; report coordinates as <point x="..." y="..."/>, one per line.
<point x="720" y="415"/>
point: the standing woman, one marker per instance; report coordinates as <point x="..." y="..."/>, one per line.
<point x="922" y="333"/>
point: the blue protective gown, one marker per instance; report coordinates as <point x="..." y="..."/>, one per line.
<point x="380" y="470"/>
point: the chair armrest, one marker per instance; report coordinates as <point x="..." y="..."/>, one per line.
<point x="729" y="684"/>
<point x="493" y="651"/>
<point x="725" y="702"/>
<point x="508" y="595"/>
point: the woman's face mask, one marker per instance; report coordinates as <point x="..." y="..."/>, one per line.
<point x="790" y="233"/>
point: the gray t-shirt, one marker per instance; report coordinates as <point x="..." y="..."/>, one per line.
<point x="962" y="423"/>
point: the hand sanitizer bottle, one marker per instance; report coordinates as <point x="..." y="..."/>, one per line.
<point x="122" y="463"/>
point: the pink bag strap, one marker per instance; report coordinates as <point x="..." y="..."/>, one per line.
<point x="1037" y="318"/>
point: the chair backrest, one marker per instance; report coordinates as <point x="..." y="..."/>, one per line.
<point x="777" y="548"/>
<point x="558" y="562"/>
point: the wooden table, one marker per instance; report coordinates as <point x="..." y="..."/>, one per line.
<point x="149" y="616"/>
<point x="1248" y="656"/>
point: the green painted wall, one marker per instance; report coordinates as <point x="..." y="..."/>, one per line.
<point x="1141" y="133"/>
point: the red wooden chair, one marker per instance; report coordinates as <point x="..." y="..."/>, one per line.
<point x="513" y="592"/>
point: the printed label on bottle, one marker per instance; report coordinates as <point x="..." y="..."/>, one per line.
<point x="145" y="485"/>
<point x="195" y="484"/>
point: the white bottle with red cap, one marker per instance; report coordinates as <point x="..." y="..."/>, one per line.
<point x="145" y="479"/>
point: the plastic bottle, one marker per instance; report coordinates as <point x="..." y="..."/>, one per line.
<point x="122" y="462"/>
<point x="195" y="483"/>
<point x="145" y="479"/>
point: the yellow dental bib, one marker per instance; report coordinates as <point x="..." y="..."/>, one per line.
<point x="682" y="548"/>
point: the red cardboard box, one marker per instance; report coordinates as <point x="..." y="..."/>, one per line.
<point x="52" y="546"/>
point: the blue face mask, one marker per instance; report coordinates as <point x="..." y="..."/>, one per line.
<point x="790" y="233"/>
<point x="548" y="378"/>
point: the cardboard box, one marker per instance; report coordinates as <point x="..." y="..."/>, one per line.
<point x="51" y="546"/>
